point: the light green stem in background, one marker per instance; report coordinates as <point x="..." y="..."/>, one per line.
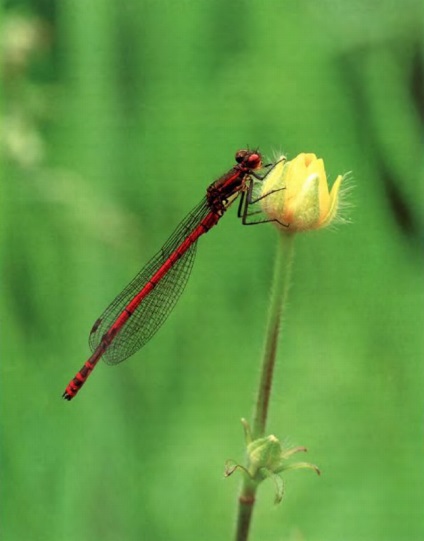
<point x="280" y="288"/>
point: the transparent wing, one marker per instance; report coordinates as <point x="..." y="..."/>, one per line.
<point x="158" y="304"/>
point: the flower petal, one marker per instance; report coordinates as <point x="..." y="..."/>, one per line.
<point x="273" y="197"/>
<point x="333" y="203"/>
<point x="304" y="210"/>
<point x="317" y="167"/>
<point x="296" y="173"/>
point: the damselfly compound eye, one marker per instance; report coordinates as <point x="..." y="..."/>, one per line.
<point x="254" y="161"/>
<point x="250" y="159"/>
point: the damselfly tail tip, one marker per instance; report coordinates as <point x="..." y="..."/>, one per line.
<point x="66" y="396"/>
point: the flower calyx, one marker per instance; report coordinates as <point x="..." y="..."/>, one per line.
<point x="267" y="458"/>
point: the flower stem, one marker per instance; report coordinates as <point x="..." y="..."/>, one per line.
<point x="280" y="287"/>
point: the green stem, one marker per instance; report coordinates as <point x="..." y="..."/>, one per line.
<point x="279" y="293"/>
<point x="280" y="287"/>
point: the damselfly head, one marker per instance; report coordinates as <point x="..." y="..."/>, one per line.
<point x="249" y="158"/>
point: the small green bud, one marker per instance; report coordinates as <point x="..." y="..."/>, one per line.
<point x="265" y="453"/>
<point x="266" y="458"/>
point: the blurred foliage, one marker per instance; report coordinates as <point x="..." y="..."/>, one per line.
<point x="116" y="116"/>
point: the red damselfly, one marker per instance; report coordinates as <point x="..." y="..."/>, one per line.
<point x="137" y="313"/>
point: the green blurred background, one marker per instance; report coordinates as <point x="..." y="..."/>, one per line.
<point x="116" y="116"/>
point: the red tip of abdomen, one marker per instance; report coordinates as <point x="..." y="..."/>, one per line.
<point x="78" y="381"/>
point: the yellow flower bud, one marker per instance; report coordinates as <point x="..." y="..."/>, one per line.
<point x="295" y="194"/>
